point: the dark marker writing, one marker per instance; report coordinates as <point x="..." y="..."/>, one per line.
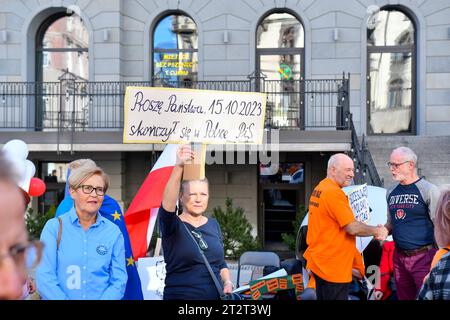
<point x="154" y="131"/>
<point x="213" y="131"/>
<point x="182" y="107"/>
<point x="147" y="105"/>
<point x="245" y="131"/>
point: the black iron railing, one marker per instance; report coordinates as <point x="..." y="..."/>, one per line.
<point x="75" y="105"/>
<point x="365" y="169"/>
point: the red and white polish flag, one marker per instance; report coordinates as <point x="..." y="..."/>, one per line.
<point x="141" y="215"/>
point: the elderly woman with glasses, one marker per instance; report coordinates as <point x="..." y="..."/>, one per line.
<point x="187" y="277"/>
<point x="84" y="254"/>
<point x="17" y="255"/>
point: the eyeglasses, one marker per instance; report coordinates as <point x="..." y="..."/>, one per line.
<point x="88" y="190"/>
<point x="395" y="165"/>
<point x="26" y="254"/>
<point x="201" y="242"/>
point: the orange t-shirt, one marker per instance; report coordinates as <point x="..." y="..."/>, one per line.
<point x="311" y="282"/>
<point x="437" y="256"/>
<point x="358" y="264"/>
<point x="331" y="250"/>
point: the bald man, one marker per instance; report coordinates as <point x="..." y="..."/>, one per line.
<point x="13" y="235"/>
<point x="332" y="231"/>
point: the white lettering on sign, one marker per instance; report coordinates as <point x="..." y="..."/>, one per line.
<point x="163" y="115"/>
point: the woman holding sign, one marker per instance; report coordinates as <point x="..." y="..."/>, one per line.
<point x="187" y="276"/>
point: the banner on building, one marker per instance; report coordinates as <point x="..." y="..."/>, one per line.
<point x="170" y="115"/>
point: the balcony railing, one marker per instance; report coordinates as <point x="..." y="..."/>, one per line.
<point x="82" y="106"/>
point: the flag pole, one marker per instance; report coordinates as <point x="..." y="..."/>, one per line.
<point x="158" y="238"/>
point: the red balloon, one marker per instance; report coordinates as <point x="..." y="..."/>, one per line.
<point x="37" y="187"/>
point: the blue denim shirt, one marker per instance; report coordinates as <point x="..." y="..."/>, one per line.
<point x="88" y="264"/>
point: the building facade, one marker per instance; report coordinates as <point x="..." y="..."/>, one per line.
<point x="380" y="67"/>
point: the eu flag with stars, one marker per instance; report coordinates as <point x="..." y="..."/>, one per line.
<point x="110" y="209"/>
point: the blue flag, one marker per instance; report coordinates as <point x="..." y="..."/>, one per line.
<point x="67" y="202"/>
<point x="110" y="209"/>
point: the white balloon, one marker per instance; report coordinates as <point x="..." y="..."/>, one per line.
<point x="16" y="147"/>
<point x="17" y="166"/>
<point x="30" y="170"/>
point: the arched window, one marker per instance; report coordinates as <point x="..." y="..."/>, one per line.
<point x="391" y="55"/>
<point x="175" y="50"/>
<point x="280" y="60"/>
<point x="62" y="45"/>
<point x="61" y="53"/>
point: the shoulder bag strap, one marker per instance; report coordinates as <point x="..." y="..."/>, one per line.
<point x="59" y="233"/>
<point x="208" y="266"/>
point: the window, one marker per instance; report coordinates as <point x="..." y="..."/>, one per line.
<point x="62" y="44"/>
<point x="45" y="59"/>
<point x="281" y="190"/>
<point x="54" y="175"/>
<point x="61" y="49"/>
<point x="292" y="173"/>
<point x="279" y="60"/>
<point x="391" y="74"/>
<point x="175" y="51"/>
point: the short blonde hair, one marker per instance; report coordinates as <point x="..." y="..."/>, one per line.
<point x="442" y="219"/>
<point x="80" y="162"/>
<point x="84" y="171"/>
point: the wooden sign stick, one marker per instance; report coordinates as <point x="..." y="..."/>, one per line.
<point x="196" y="169"/>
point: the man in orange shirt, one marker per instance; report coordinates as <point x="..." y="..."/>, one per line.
<point x="358" y="272"/>
<point x="332" y="230"/>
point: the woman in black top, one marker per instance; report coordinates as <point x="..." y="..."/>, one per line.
<point x="186" y="274"/>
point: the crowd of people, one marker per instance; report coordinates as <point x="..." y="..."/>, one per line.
<point x="81" y="254"/>
<point x="415" y="218"/>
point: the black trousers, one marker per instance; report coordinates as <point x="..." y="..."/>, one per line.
<point x="330" y="290"/>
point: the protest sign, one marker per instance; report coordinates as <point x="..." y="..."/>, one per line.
<point x="171" y="115"/>
<point x="152" y="271"/>
<point x="359" y="202"/>
<point x="258" y="288"/>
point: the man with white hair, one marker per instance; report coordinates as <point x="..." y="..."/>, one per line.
<point x="332" y="231"/>
<point x="411" y="212"/>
